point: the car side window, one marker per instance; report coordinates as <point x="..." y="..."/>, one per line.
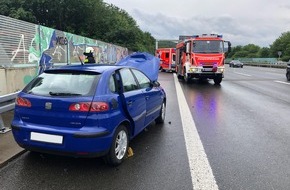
<point x="128" y="80"/>
<point x="112" y="84"/>
<point x="143" y="80"/>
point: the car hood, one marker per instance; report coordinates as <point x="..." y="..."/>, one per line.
<point x="147" y="63"/>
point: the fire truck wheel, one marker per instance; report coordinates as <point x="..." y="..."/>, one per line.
<point x="217" y="80"/>
<point x="186" y="77"/>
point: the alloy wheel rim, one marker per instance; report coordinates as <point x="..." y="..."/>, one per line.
<point x="121" y="144"/>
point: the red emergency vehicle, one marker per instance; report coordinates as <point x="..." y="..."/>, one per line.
<point x="167" y="59"/>
<point x="201" y="57"/>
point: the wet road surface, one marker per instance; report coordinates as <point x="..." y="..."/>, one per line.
<point x="244" y="127"/>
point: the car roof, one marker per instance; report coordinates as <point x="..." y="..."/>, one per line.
<point x="99" y="68"/>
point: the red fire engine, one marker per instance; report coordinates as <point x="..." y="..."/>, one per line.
<point x="201" y="57"/>
<point x="167" y="58"/>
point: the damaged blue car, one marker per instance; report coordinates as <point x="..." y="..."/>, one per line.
<point x="90" y="110"/>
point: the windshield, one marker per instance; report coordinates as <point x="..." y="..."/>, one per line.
<point x="62" y="84"/>
<point x="208" y="46"/>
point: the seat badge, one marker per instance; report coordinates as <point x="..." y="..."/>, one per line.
<point x="48" y="105"/>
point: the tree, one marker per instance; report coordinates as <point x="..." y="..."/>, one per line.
<point x="281" y="44"/>
<point x="264" y="52"/>
<point x="91" y="18"/>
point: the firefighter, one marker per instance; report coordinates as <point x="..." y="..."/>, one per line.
<point x="89" y="55"/>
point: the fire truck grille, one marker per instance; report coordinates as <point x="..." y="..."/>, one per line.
<point x="207" y="68"/>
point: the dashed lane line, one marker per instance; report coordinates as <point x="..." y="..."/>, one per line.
<point x="201" y="172"/>
<point x="243" y="74"/>
<point x="282" y="82"/>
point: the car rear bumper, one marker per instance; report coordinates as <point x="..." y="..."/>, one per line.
<point x="84" y="142"/>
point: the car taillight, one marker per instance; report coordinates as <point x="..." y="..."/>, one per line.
<point x="22" y="102"/>
<point x="89" y="106"/>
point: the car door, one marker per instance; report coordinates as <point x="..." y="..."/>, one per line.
<point x="135" y="102"/>
<point x="153" y="96"/>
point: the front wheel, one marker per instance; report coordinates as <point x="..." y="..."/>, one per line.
<point x="119" y="147"/>
<point x="186" y="77"/>
<point x="217" y="80"/>
<point x="161" y="117"/>
<point x="288" y="76"/>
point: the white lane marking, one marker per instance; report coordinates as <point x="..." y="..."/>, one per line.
<point x="243" y="74"/>
<point x="282" y="82"/>
<point x="201" y="172"/>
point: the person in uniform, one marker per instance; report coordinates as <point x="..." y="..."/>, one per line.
<point x="89" y="53"/>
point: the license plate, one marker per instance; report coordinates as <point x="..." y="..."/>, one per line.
<point x="41" y="137"/>
<point x="207" y="69"/>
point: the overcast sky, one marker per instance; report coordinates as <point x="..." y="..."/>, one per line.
<point x="259" y="22"/>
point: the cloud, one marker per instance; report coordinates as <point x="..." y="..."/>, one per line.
<point x="240" y="31"/>
<point x="259" y="22"/>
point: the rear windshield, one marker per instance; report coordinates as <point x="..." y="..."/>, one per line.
<point x="63" y="84"/>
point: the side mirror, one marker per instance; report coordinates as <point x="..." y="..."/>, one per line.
<point x="155" y="84"/>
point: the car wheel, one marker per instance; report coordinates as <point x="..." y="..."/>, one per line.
<point x="288" y="76"/>
<point x="119" y="146"/>
<point x="161" y="117"/>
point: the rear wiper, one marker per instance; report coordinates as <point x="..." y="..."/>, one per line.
<point x="63" y="94"/>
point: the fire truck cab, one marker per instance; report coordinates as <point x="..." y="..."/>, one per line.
<point x="201" y="57"/>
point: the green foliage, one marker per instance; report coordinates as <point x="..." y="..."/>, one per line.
<point x="248" y="51"/>
<point x="264" y="52"/>
<point x="281" y="44"/>
<point x="91" y="18"/>
<point x="166" y="44"/>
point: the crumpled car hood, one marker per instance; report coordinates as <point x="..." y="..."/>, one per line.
<point x="147" y="63"/>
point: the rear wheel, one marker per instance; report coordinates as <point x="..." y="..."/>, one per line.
<point x="161" y="117"/>
<point x="119" y="146"/>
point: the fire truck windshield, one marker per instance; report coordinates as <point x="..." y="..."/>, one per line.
<point x="208" y="46"/>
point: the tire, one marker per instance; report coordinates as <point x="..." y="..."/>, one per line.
<point x="186" y="78"/>
<point x="161" y="117"/>
<point x="217" y="80"/>
<point x="119" y="147"/>
<point x="288" y="76"/>
<point x="179" y="76"/>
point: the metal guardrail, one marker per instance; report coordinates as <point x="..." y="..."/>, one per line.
<point x="7" y="103"/>
<point x="276" y="65"/>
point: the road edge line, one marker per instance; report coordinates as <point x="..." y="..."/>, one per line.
<point x="201" y="172"/>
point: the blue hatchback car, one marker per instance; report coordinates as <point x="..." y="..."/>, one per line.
<point x="87" y="110"/>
